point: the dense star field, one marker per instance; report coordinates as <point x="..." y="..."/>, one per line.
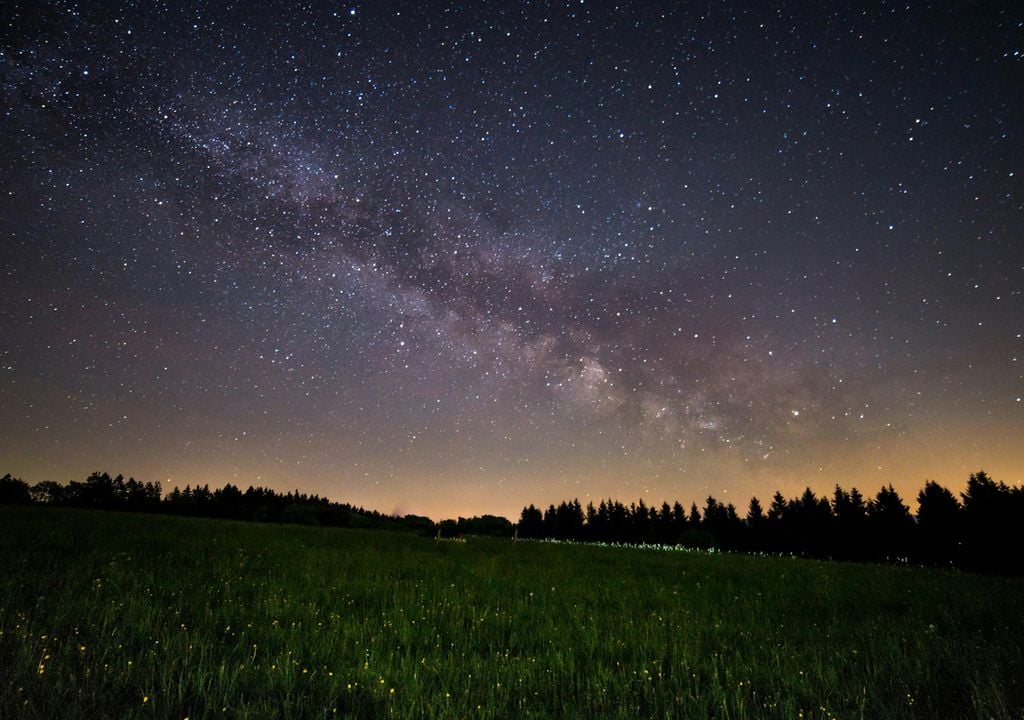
<point x="451" y="260"/>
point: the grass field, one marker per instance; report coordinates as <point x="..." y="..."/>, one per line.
<point x="135" y="616"/>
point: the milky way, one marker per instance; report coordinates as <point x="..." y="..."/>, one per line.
<point x="457" y="259"/>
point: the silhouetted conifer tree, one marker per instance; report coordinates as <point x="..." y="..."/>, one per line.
<point x="775" y="529"/>
<point x="993" y="525"/>
<point x="550" y="522"/>
<point x="590" y="522"/>
<point x="756" y="522"/>
<point x="679" y="521"/>
<point x="850" y="512"/>
<point x="939" y="524"/>
<point x="889" y="525"/>
<point x="808" y="521"/>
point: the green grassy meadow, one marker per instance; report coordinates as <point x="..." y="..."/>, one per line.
<point x="137" y="616"/>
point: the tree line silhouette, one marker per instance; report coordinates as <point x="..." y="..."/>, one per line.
<point x="101" y="491"/>
<point x="258" y="504"/>
<point x="983" y="530"/>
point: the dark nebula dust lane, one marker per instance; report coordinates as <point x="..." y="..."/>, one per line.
<point x="455" y="259"/>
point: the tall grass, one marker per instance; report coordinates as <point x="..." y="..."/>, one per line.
<point x="131" y="616"/>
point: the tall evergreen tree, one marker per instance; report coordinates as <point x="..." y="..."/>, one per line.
<point x="939" y="524"/>
<point x="890" y="525"/>
<point x="776" y="534"/>
<point x="850" y="513"/>
<point x="808" y="521"/>
<point x="756" y="522"/>
<point x="991" y="527"/>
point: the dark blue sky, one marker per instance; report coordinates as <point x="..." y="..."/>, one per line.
<point x="454" y="260"/>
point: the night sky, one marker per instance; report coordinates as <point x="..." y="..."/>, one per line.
<point x="454" y="260"/>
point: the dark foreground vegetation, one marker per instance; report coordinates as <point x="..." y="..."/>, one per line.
<point x="120" y="615"/>
<point x="981" y="531"/>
